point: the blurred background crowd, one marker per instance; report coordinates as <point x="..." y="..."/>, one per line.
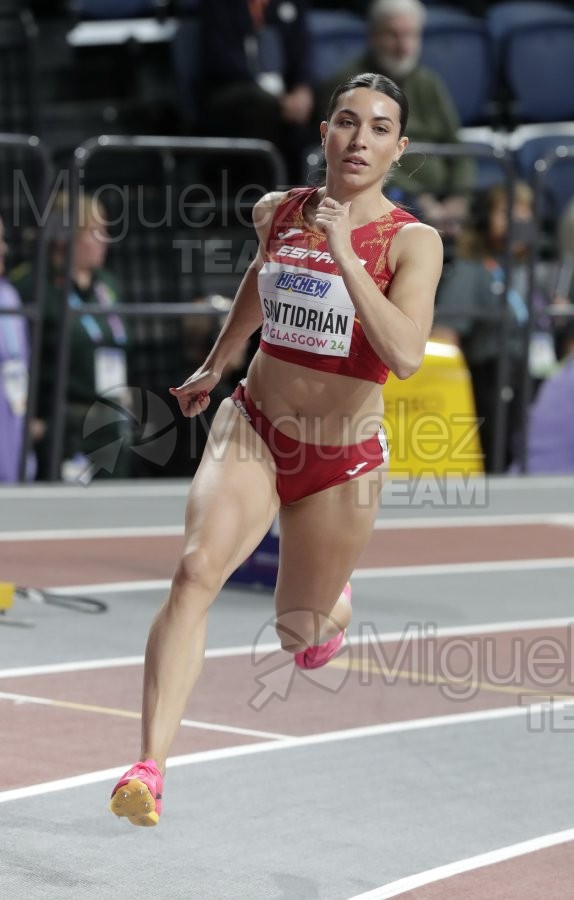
<point x="166" y="220"/>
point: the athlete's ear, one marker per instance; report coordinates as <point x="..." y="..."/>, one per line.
<point x="401" y="147"/>
<point x="324" y="129"/>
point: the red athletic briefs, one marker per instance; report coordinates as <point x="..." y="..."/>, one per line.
<point x="304" y="469"/>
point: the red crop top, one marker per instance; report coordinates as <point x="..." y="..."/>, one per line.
<point x="308" y="316"/>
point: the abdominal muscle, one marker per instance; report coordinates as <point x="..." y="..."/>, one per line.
<point x="315" y="407"/>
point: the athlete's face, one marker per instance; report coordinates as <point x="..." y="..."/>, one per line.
<point x="361" y="140"/>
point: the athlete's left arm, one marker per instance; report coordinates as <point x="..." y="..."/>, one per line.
<point x="398" y="330"/>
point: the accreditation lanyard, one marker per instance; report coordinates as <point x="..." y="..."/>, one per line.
<point x="516" y="301"/>
<point x="90" y="324"/>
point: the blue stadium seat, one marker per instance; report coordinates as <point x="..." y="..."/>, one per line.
<point x="488" y="171"/>
<point x="438" y="14"/>
<point x="460" y="52"/>
<point x="114" y="9"/>
<point x="336" y="38"/>
<point x="538" y="67"/>
<point x="503" y="18"/>
<point x="531" y="143"/>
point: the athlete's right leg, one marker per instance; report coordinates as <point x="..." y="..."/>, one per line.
<point x="232" y="503"/>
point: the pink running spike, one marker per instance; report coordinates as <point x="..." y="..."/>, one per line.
<point x="314" y="657"/>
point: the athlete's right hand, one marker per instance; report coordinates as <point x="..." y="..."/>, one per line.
<point x="193" y="395"/>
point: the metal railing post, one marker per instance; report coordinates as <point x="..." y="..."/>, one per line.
<point x="124" y="144"/>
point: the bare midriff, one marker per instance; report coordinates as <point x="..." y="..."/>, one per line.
<point x="312" y="406"/>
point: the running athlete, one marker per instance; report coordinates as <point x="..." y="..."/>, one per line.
<point x="343" y="287"/>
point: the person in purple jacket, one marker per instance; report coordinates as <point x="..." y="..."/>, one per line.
<point x="14" y="355"/>
<point x="550" y="437"/>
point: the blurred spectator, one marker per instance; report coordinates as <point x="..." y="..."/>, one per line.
<point x="14" y="357"/>
<point x="98" y="345"/>
<point x="248" y="91"/>
<point x="473" y="284"/>
<point x="550" y="434"/>
<point x="439" y="187"/>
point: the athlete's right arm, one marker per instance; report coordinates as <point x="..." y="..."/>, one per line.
<point x="243" y="319"/>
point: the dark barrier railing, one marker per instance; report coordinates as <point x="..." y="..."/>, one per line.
<point x="33" y="312"/>
<point x="502" y="158"/>
<point x="191" y="147"/>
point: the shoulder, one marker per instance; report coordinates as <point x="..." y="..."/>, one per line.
<point x="414" y="238"/>
<point x="264" y="213"/>
<point x="266" y="208"/>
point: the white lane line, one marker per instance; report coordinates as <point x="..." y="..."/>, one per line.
<point x="397" y="888"/>
<point x="90" y="534"/>
<point x="247" y="649"/>
<point x="505" y="565"/>
<point x="477" y="521"/>
<point x="530" y="482"/>
<point x="112" y="587"/>
<point x="290" y="744"/>
<point x="383" y="524"/>
<point x="20" y="699"/>
<point x="94" y="491"/>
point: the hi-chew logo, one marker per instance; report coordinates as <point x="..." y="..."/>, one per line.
<point x="303" y="284"/>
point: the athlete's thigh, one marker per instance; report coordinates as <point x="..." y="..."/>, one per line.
<point x="322" y="537"/>
<point x="233" y="497"/>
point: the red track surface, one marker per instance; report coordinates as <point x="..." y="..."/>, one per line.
<point x="542" y="875"/>
<point x="60" y="562"/>
<point x="47" y="742"/>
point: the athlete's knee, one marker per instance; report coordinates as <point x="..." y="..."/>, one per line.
<point x="198" y="568"/>
<point x="297" y="631"/>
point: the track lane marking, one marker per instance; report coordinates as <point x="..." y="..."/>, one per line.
<point x="293" y="743"/>
<point x="463" y="630"/>
<point x="430" y="876"/>
<point x="132" y="714"/>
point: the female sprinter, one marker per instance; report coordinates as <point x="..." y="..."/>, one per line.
<point x="343" y="287"/>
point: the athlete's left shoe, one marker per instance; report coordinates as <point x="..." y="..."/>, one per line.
<point x="314" y="657"/>
<point x="137" y="795"/>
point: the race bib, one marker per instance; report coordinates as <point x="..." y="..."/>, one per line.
<point x="111" y="371"/>
<point x="306" y="311"/>
<point x="14" y="380"/>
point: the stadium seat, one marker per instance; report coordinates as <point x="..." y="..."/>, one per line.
<point x="336" y="37"/>
<point x="439" y="14"/>
<point x="531" y="143"/>
<point x="114" y="9"/>
<point x="503" y="18"/>
<point x="459" y="51"/>
<point x="538" y="67"/>
<point x="488" y="171"/>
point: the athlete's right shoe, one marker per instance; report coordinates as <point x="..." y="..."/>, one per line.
<point x="137" y="795"/>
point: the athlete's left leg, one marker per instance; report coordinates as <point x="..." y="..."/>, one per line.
<point x="321" y="539"/>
